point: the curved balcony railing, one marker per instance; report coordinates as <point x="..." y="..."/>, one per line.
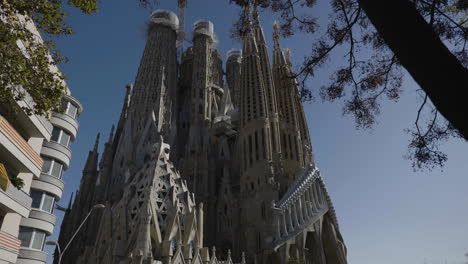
<point x="57" y="151"/>
<point x="33" y="254"/>
<point x="17" y="200"/>
<point x="49" y="184"/>
<point x="41" y="220"/>
<point x="66" y="122"/>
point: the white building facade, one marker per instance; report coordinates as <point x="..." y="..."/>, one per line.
<point x="36" y="150"/>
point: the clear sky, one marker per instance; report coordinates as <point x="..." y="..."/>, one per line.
<point x="388" y="214"/>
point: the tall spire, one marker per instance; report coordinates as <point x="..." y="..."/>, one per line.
<point x="255" y="15"/>
<point x="70" y="202"/>
<point x="111" y="134"/>
<point x="248" y="21"/>
<point x="96" y="143"/>
<point x="278" y="55"/>
<point x="276" y="34"/>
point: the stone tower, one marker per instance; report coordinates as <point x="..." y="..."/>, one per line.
<point x="247" y="187"/>
<point x="290" y="107"/>
<point x="233" y="71"/>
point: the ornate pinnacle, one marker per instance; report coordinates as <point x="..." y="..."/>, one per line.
<point x="255" y="15"/>
<point x="96" y="144"/>
<point x="248" y="22"/>
<point x="70" y="202"/>
<point x="111" y="134"/>
<point x="276" y="33"/>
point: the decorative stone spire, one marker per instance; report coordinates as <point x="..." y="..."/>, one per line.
<point x="276" y="34"/>
<point x="213" y="251"/>
<point x="255" y="14"/>
<point x="111" y="134"/>
<point x="156" y="80"/>
<point x="243" y="258"/>
<point x="270" y="89"/>
<point x="278" y="55"/>
<point x="293" y="125"/>
<point x="248" y="14"/>
<point x="70" y="202"/>
<point x="96" y="143"/>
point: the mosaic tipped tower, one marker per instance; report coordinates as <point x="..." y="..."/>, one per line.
<point x="203" y="168"/>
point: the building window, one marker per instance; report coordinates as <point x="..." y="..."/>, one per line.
<point x="263" y="210"/>
<point x="31" y="238"/>
<point x="42" y="201"/>
<point x="60" y="136"/>
<point x="70" y="109"/>
<point x="52" y="168"/>
<point x="256" y="146"/>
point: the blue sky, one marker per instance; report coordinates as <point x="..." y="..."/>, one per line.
<point x="387" y="213"/>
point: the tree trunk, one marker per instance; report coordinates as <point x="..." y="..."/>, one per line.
<point x="418" y="48"/>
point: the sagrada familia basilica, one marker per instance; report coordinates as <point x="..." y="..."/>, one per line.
<point x="206" y="165"/>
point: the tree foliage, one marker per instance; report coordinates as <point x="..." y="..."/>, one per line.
<point x="367" y="78"/>
<point x="25" y="61"/>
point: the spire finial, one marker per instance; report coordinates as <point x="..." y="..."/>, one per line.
<point x="243" y="258"/>
<point x="111" y="134"/>
<point x="96" y="144"/>
<point x="255" y="15"/>
<point x="276" y="33"/>
<point x="70" y="202"/>
<point x="248" y="14"/>
<point x="229" y="254"/>
<point x="287" y="52"/>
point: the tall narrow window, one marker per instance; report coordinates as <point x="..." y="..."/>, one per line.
<point x="290" y="147"/>
<point x="31" y="238"/>
<point x="42" y="201"/>
<point x="263" y="144"/>
<point x="259" y="242"/>
<point x="283" y="141"/>
<point x="296" y="148"/>
<point x="55" y="134"/>
<point x="263" y="209"/>
<point x="60" y="136"/>
<point x="245" y="154"/>
<point x="250" y="150"/>
<point x="70" y="109"/>
<point x="256" y="146"/>
<point x="52" y="167"/>
<point x="273" y="138"/>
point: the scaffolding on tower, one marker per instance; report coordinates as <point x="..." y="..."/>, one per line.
<point x="182" y="4"/>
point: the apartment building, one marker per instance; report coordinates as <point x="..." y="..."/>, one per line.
<point x="36" y="150"/>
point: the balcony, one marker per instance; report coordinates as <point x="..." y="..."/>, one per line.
<point x="37" y="126"/>
<point x="57" y="151"/>
<point x="15" y="150"/>
<point x="27" y="255"/>
<point x="9" y="247"/>
<point x="16" y="200"/>
<point x="49" y="184"/>
<point x="41" y="220"/>
<point x="66" y="122"/>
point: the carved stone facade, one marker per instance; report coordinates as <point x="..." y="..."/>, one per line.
<point x="247" y="182"/>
